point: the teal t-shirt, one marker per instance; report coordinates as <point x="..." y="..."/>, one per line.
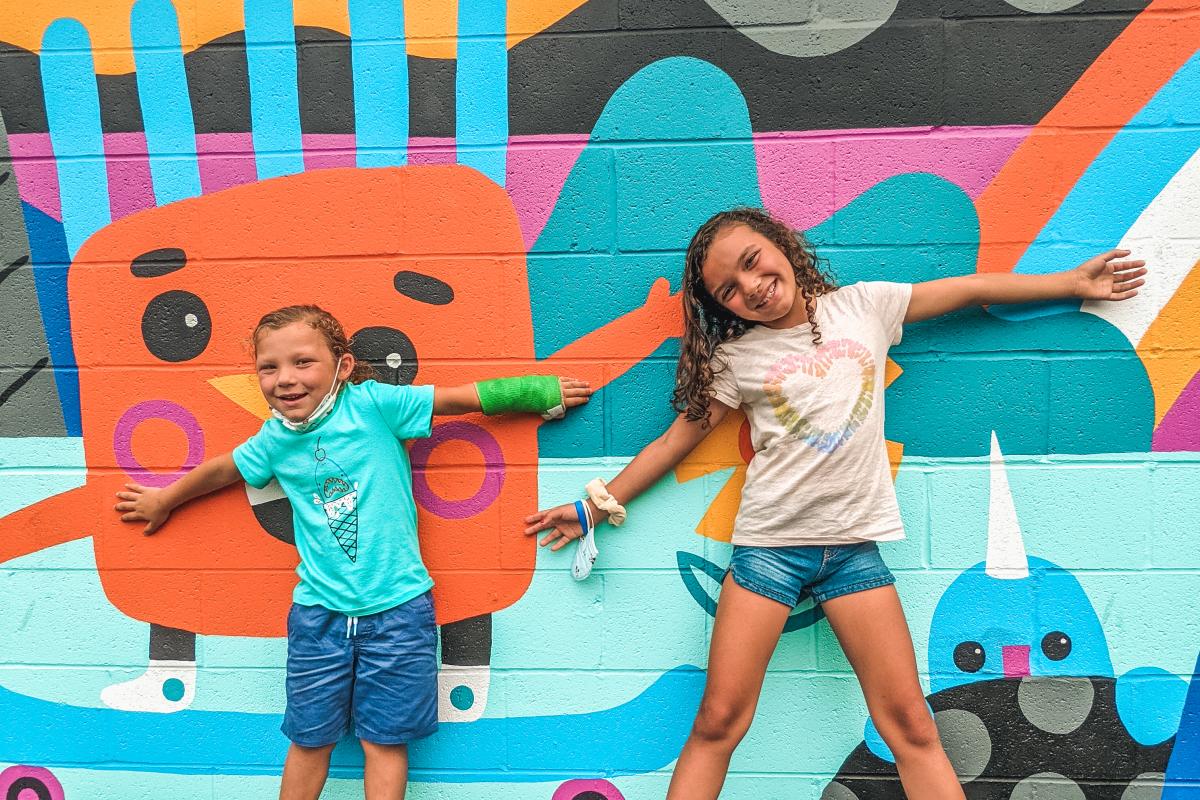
<point x="350" y="484"/>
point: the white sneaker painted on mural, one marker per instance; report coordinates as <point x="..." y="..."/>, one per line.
<point x="164" y="687"/>
<point x="462" y="692"/>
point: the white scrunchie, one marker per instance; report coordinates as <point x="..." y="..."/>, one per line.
<point x="597" y="490"/>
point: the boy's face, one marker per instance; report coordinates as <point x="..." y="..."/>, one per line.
<point x="296" y="369"/>
<point x="748" y="275"/>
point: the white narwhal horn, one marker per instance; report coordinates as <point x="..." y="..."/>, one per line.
<point x="1006" y="557"/>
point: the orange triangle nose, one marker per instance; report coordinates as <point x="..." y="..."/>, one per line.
<point x="243" y="390"/>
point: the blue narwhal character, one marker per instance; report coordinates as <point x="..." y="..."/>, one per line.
<point x="1016" y="645"/>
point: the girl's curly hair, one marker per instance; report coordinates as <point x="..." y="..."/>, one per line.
<point x="707" y="323"/>
<point x="321" y="321"/>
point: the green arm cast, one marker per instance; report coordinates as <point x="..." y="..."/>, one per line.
<point x="539" y="394"/>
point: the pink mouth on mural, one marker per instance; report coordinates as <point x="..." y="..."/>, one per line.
<point x="1016" y="660"/>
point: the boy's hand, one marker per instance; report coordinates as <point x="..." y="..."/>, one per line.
<point x="1105" y="278"/>
<point x="562" y="523"/>
<point x="143" y="503"/>
<point x="575" y="392"/>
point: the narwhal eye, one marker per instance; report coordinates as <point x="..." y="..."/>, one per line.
<point x="969" y="656"/>
<point x="390" y="352"/>
<point x="1056" y="645"/>
<point x="176" y="326"/>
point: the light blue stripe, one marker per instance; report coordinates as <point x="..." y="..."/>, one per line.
<point x="379" y="55"/>
<point x="274" y="92"/>
<point x="1118" y="186"/>
<point x="166" y="104"/>
<point x="73" y="114"/>
<point x="481" y="87"/>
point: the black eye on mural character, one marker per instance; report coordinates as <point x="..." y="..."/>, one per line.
<point x="969" y="656"/>
<point x="1056" y="645"/>
<point x="389" y="352"/>
<point x="176" y="326"/>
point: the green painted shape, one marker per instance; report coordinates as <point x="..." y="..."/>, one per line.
<point x="1069" y="383"/>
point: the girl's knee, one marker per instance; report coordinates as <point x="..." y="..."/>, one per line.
<point x="722" y="721"/>
<point x="908" y="727"/>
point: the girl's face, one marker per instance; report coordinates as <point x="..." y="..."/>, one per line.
<point x="752" y="278"/>
<point x="296" y="369"/>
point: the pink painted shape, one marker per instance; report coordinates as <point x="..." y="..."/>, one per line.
<point x="130" y="185"/>
<point x="226" y="159"/>
<point x="1016" y="660"/>
<point x="1180" y="428"/>
<point x="538" y="167"/>
<point x="806" y="176"/>
<point x="427" y="150"/>
<point x="328" y="150"/>
<point x="573" y="788"/>
<point x="37" y="175"/>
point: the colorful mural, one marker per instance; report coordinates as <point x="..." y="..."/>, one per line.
<point x="488" y="187"/>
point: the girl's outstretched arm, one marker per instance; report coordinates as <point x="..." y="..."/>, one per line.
<point x="466" y="399"/>
<point x="153" y="506"/>
<point x="656" y="459"/>
<point x="1099" y="278"/>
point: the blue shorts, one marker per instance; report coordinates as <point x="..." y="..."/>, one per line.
<point x="790" y="574"/>
<point x="379" y="671"/>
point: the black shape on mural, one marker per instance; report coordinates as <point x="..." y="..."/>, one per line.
<point x="389" y="352"/>
<point x="176" y="326"/>
<point x="171" y="644"/>
<point x="468" y="642"/>
<point x="983" y="62"/>
<point x="1002" y="65"/>
<point x="157" y="263"/>
<point x="1006" y="738"/>
<point x="29" y="404"/>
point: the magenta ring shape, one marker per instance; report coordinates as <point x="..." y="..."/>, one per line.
<point x="156" y="409"/>
<point x="30" y="774"/>
<point x="493" y="477"/>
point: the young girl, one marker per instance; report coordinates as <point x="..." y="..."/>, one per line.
<point x="766" y="330"/>
<point x="361" y="633"/>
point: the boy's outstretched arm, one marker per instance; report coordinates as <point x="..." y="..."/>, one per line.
<point x="1099" y="278"/>
<point x="655" y="460"/>
<point x="531" y="393"/>
<point x="153" y="506"/>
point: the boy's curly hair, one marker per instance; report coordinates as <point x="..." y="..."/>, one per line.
<point x="707" y="323"/>
<point x="321" y="321"/>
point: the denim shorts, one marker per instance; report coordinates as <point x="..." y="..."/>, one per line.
<point x="379" y="671"/>
<point x="790" y="574"/>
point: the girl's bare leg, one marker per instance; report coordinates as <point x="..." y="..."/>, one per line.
<point x="745" y="633"/>
<point x="874" y="634"/>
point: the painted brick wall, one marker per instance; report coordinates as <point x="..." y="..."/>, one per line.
<point x="169" y="171"/>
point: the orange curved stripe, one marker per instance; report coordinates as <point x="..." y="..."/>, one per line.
<point x="431" y="25"/>
<point x="1032" y="185"/>
<point x="1168" y="347"/>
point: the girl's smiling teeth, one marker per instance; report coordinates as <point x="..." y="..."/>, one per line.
<point x="770" y="295"/>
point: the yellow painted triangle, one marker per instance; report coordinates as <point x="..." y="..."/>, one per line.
<point x="243" y="390"/>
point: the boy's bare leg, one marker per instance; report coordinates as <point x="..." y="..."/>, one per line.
<point x="386" y="774"/>
<point x="304" y="772"/>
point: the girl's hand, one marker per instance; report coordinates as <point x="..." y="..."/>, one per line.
<point x="562" y="523"/>
<point x="574" y="391"/>
<point x="142" y="503"/>
<point x="1105" y="278"/>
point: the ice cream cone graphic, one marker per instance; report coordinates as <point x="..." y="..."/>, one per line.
<point x="339" y="497"/>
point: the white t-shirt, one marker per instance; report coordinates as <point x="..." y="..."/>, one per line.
<point x="820" y="471"/>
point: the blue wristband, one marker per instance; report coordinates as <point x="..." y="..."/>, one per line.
<point x="582" y="517"/>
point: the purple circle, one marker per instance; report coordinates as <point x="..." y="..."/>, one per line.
<point x="493" y="476"/>
<point x="30" y="782"/>
<point x="156" y="409"/>
<point x="582" y="788"/>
